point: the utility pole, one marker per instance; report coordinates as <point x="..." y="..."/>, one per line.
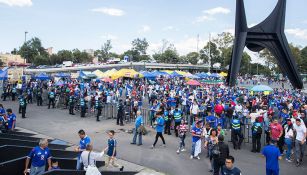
<point x="209" y="52"/>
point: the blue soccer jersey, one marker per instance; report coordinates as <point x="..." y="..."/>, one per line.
<point x="39" y="156"/>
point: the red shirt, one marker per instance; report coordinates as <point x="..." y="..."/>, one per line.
<point x="219" y="109"/>
<point x="276" y="130"/>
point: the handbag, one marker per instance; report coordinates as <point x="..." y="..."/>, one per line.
<point x="91" y="169"/>
<point x="142" y="130"/>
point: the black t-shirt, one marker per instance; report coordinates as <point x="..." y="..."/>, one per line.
<point x="234" y="171"/>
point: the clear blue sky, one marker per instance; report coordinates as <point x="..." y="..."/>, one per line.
<point x="87" y="24"/>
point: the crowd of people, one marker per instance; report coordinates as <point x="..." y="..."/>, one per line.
<point x="208" y="112"/>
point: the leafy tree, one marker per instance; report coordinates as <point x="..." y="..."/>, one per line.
<point x="192" y="57"/>
<point x="224" y="42"/>
<point x="65" y="55"/>
<point x="214" y="53"/>
<point x="302" y="64"/>
<point x="31" y="49"/>
<point x="140" y="45"/>
<point x="41" y="60"/>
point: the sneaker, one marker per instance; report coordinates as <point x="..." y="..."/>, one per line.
<point x="178" y="151"/>
<point x="132" y="143"/>
<point x="152" y="147"/>
<point x="297" y="164"/>
<point x="164" y="145"/>
<point x="289" y="160"/>
<point x="198" y="157"/>
<point x="183" y="150"/>
<point x="121" y="169"/>
<point x="191" y="157"/>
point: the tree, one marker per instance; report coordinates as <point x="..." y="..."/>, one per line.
<point x="192" y="57"/>
<point x="245" y="64"/>
<point x="65" y="55"/>
<point x="214" y="53"/>
<point x="140" y="45"/>
<point x="41" y="60"/>
<point x="302" y="64"/>
<point x="80" y="57"/>
<point x="224" y="42"/>
<point x="31" y="49"/>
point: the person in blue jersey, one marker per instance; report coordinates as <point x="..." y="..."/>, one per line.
<point x="272" y="155"/>
<point x="84" y="141"/>
<point x="256" y="136"/>
<point x="136" y="132"/>
<point x="212" y="120"/>
<point x="11" y="120"/>
<point x="159" y="128"/>
<point x="39" y="155"/>
<point x="196" y="140"/>
<point x="2" y="110"/>
<point x="111" y="151"/>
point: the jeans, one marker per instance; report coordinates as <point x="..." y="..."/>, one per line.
<point x="37" y="170"/>
<point x="288" y="142"/>
<point x="79" y="164"/>
<point x="135" y="134"/>
<point x="182" y="144"/>
<point x="299" y="150"/>
<point x="193" y="148"/>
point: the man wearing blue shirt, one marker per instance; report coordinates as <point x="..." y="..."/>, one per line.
<point x="138" y="122"/>
<point x="159" y="128"/>
<point x="85" y="140"/>
<point x="272" y="155"/>
<point x="11" y="119"/>
<point x="39" y="156"/>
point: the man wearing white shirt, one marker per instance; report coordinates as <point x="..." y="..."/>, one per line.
<point x="300" y="141"/>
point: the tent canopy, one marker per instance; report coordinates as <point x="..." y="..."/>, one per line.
<point x="193" y="83"/>
<point x="261" y="88"/>
<point x="42" y="76"/>
<point x="3" y="75"/>
<point x="128" y="73"/>
<point x="62" y="75"/>
<point x="98" y="73"/>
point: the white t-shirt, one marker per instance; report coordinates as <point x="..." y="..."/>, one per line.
<point x="300" y="132"/>
<point x="194" y="108"/>
<point x="93" y="157"/>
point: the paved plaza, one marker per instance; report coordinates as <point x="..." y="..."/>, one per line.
<point x="58" y="124"/>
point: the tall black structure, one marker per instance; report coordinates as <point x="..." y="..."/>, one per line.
<point x="268" y="34"/>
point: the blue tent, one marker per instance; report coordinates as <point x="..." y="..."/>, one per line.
<point x="3" y="75"/>
<point x="62" y="75"/>
<point x="261" y="88"/>
<point x="148" y="75"/>
<point x="82" y="74"/>
<point x="158" y="73"/>
<point x="42" y="76"/>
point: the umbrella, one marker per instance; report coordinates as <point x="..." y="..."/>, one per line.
<point x="261" y="88"/>
<point x="193" y="83"/>
<point x="175" y="74"/>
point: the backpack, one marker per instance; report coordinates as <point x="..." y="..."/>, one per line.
<point x="216" y="151"/>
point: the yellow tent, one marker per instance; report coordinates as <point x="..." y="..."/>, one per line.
<point x="109" y="73"/>
<point x="98" y="73"/>
<point x="168" y="71"/>
<point x="181" y="72"/>
<point x="128" y="73"/>
<point x="223" y="74"/>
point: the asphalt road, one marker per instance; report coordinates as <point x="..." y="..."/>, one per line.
<point x="59" y="124"/>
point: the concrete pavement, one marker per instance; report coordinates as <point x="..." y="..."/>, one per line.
<point x="57" y="123"/>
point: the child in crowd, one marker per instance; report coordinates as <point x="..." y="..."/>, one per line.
<point x="111" y="151"/>
<point x="55" y="165"/>
<point x="182" y="129"/>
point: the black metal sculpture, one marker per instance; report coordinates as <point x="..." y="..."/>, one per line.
<point x="268" y="34"/>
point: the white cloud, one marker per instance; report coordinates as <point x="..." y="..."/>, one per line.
<point x="109" y="11"/>
<point x="170" y="28"/>
<point x="203" y="18"/>
<point x="20" y="3"/>
<point x="208" y="14"/>
<point x="229" y="30"/>
<point x="144" y="29"/>
<point x="217" y="10"/>
<point x="109" y="37"/>
<point x="298" y="32"/>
